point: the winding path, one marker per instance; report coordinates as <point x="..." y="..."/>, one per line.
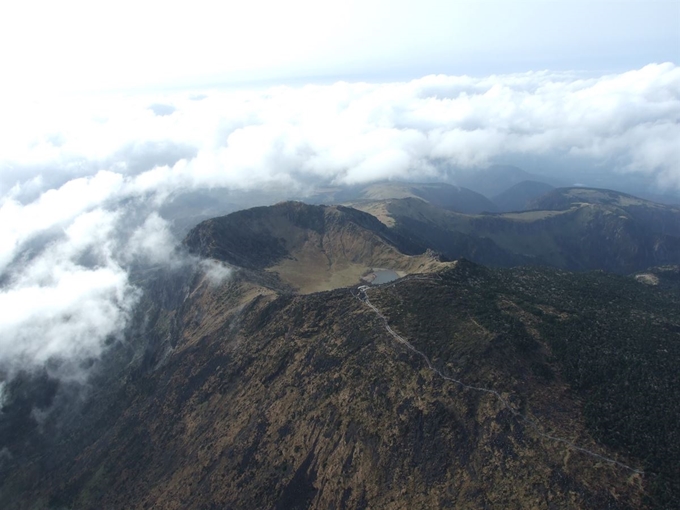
<point x="363" y="297"/>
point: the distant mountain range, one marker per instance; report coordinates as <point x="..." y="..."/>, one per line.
<point x="446" y="196"/>
<point x="655" y="217"/>
<point x="520" y="196"/>
<point x="569" y="228"/>
<point x="494" y="180"/>
<point x="499" y="188"/>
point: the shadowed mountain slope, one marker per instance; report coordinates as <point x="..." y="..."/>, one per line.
<point x="309" y="402"/>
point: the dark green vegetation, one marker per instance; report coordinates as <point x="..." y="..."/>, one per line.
<point x="616" y="341"/>
<point x="244" y="394"/>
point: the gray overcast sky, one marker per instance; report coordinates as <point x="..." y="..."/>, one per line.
<point x="83" y="45"/>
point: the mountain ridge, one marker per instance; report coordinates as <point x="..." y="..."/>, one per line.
<point x="569" y="233"/>
<point x="445" y="195"/>
<point x="460" y="386"/>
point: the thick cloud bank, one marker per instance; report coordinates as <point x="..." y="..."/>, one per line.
<point x="81" y="180"/>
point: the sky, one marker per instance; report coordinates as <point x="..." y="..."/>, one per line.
<point x="109" y="111"/>
<point x="80" y="46"/>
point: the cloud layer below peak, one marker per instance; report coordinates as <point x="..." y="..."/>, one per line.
<point x="82" y="180"/>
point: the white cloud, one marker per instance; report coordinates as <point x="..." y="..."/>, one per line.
<point x="81" y="179"/>
<point x="215" y="271"/>
<point x="54" y="207"/>
<point x="350" y="133"/>
<point x="152" y="242"/>
<point x="65" y="301"/>
<point x="64" y="298"/>
<point x="70" y="316"/>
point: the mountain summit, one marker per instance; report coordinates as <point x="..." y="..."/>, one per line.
<point x="309" y="247"/>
